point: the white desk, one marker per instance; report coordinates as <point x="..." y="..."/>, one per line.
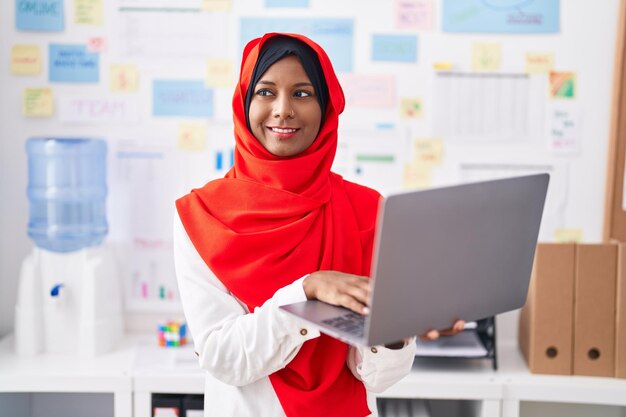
<point x="139" y="368"/>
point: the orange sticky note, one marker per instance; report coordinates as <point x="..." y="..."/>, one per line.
<point x="192" y="136"/>
<point x="123" y="77"/>
<point x="37" y="102"/>
<point x="25" y="60"/>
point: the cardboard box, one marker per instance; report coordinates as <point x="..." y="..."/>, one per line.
<point x="594" y="310"/>
<point x="546" y="321"/>
<point x="620" y="314"/>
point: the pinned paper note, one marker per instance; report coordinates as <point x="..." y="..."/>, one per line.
<point x="394" y="48"/>
<point x="369" y="90"/>
<point x="219" y="73"/>
<point x="217" y="5"/>
<point x="564" y="130"/>
<point x="537" y="63"/>
<point x="414" y="14"/>
<point x="486" y="56"/>
<point x="192" y="136"/>
<point x="123" y="77"/>
<point x="568" y="235"/>
<point x="88" y="12"/>
<point x="410" y="108"/>
<point x="37" y="102"/>
<point x="181" y="98"/>
<point x="417" y="176"/>
<point x="96" y="44"/>
<point x="25" y="60"/>
<point x="73" y="63"/>
<point x="40" y="15"/>
<point x="562" y="84"/>
<point x="428" y="152"/>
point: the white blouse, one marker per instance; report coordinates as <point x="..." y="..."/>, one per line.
<point x="239" y="349"/>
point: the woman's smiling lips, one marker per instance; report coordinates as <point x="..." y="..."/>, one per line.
<point x="282" y="132"/>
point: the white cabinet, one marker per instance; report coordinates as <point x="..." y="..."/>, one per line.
<point x="139" y="368"/>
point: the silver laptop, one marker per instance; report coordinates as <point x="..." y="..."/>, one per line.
<point x="459" y="252"/>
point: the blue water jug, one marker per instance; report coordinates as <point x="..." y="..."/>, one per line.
<point x="67" y="193"/>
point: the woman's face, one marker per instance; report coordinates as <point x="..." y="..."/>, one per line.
<point x="284" y="113"/>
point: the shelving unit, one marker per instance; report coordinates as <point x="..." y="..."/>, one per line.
<point x="139" y="368"/>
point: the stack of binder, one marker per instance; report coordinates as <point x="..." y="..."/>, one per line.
<point x="573" y="321"/>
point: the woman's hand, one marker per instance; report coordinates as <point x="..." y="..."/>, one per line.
<point x="340" y="289"/>
<point x="456" y="328"/>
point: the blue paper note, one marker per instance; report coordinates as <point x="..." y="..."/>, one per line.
<point x="39" y="15"/>
<point x="500" y="16"/>
<point x="334" y="35"/>
<point x="396" y="48"/>
<point x="286" y="3"/>
<point x="73" y="64"/>
<point x="181" y="98"/>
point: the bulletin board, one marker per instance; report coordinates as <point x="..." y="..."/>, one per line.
<point x="438" y="92"/>
<point x="615" y="210"/>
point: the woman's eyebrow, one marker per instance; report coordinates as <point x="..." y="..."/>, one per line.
<point x="302" y="84"/>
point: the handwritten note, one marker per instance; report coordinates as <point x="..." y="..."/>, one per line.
<point x="192" y="136"/>
<point x="73" y="63"/>
<point x="539" y="63"/>
<point x="25" y="60"/>
<point x="181" y="98"/>
<point x="414" y="14"/>
<point x="410" y="108"/>
<point x="428" y="152"/>
<point x="96" y="44"/>
<point x="88" y="12"/>
<point x="37" y="102"/>
<point x="219" y="73"/>
<point x="39" y="15"/>
<point x="369" y="90"/>
<point x="562" y="84"/>
<point x="486" y="56"/>
<point x="123" y="77"/>
<point x="394" y="48"/>
<point x="79" y="109"/>
<point x="563" y="125"/>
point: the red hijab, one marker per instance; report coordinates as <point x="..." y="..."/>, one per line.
<point x="272" y="220"/>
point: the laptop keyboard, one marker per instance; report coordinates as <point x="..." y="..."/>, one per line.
<point x="352" y="323"/>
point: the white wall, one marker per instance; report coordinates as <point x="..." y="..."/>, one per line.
<point x="585" y="45"/>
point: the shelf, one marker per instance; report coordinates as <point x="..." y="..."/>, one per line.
<point x="139" y="368"/>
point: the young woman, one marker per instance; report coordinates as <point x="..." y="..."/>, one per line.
<point x="282" y="228"/>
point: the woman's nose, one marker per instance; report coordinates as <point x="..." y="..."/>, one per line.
<point x="283" y="108"/>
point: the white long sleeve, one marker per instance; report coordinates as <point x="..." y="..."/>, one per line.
<point x="239" y="350"/>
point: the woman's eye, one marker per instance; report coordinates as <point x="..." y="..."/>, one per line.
<point x="263" y="92"/>
<point x="302" y="93"/>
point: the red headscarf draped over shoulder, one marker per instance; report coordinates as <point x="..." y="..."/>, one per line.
<point x="272" y="220"/>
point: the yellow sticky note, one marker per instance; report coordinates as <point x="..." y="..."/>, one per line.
<point x="216" y="5"/>
<point x="443" y="66"/>
<point x="37" y="102"/>
<point x="410" y="108"/>
<point x="192" y="136"/>
<point x="568" y="235"/>
<point x="428" y="152"/>
<point x="417" y="176"/>
<point x="537" y="63"/>
<point x="88" y="12"/>
<point x="25" y="60"/>
<point x="219" y="73"/>
<point x="486" y="56"/>
<point x="123" y="77"/>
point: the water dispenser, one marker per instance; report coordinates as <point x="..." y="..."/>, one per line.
<point x="69" y="298"/>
